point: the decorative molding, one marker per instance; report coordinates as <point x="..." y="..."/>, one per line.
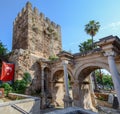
<point x="110" y="53"/>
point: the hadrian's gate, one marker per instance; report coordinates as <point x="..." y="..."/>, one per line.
<point x="36" y="39"/>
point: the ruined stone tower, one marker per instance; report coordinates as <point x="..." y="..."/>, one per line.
<point x="34" y="37"/>
<point x="36" y="33"/>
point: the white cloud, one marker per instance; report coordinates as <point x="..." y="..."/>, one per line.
<point x="113" y="26"/>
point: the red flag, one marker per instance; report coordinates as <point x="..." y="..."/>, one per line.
<point x="7" y="71"/>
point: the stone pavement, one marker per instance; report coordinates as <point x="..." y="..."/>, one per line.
<point x="49" y="110"/>
<point x="102" y="110"/>
<point x="106" y="110"/>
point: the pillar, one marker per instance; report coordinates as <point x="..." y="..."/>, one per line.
<point x="114" y="72"/>
<point x="43" y="98"/>
<point x="76" y="95"/>
<point x="67" y="99"/>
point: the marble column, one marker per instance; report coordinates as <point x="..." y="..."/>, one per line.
<point x="43" y="98"/>
<point x="67" y="99"/>
<point x="114" y="72"/>
<point x="42" y="79"/>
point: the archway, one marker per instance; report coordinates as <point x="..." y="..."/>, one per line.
<point x="58" y="89"/>
<point x="82" y="75"/>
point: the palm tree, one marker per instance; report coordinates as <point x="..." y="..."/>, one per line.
<point x="92" y="28"/>
<point x="85" y="46"/>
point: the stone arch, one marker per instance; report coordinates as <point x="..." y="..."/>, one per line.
<point x="61" y="68"/>
<point x="94" y="66"/>
<point x="82" y="97"/>
<point x="58" y="85"/>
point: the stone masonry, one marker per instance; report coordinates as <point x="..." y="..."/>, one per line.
<point x="36" y="38"/>
<point x="35" y="32"/>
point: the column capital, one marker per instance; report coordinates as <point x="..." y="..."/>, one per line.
<point x="64" y="62"/>
<point x="110" y="53"/>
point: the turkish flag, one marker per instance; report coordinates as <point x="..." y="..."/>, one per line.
<point x="7" y="73"/>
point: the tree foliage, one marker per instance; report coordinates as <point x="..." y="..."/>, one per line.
<point x="104" y="80"/>
<point x="7" y="88"/>
<point x="3" y="54"/>
<point x="19" y="86"/>
<point x="86" y="46"/>
<point x="3" y="50"/>
<point x="92" y="28"/>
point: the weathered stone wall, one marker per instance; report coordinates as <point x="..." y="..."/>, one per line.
<point x="35" y="32"/>
<point x="26" y="62"/>
<point x="34" y="37"/>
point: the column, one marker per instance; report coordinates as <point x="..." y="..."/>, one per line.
<point x="67" y="100"/>
<point x="42" y="79"/>
<point x="66" y="78"/>
<point x="43" y="98"/>
<point x="114" y="72"/>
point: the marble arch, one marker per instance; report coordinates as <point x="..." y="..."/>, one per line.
<point x="107" y="56"/>
<point x="61" y="68"/>
<point x="32" y="45"/>
<point x="97" y="65"/>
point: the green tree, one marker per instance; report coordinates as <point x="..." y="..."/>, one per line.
<point x="3" y="50"/>
<point x="104" y="80"/>
<point x="3" y="54"/>
<point x="92" y="28"/>
<point x="20" y="86"/>
<point x="85" y="46"/>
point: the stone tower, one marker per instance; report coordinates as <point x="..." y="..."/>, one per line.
<point x="36" y="33"/>
<point x="34" y="37"/>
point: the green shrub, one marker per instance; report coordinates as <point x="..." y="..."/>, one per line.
<point x="53" y="57"/>
<point x="20" y="86"/>
<point x="27" y="78"/>
<point x="7" y="88"/>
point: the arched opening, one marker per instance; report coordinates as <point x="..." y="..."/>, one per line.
<point x="103" y="81"/>
<point x="85" y="99"/>
<point x="47" y="86"/>
<point x="83" y="76"/>
<point x="58" y="91"/>
<point x="105" y="91"/>
<point x="58" y="88"/>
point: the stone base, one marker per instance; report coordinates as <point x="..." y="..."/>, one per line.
<point x="67" y="101"/>
<point x="43" y="101"/>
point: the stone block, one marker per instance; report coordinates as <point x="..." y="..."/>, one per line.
<point x="110" y="98"/>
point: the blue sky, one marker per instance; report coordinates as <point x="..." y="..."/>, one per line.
<point x="71" y="15"/>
